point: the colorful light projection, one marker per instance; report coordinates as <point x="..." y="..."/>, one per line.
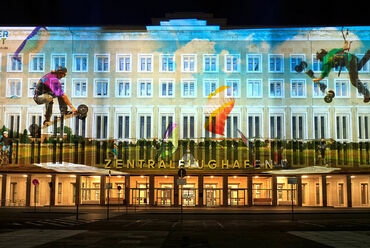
<point x="33" y="43"/>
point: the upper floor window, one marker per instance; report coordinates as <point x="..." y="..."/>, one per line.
<point x="79" y="87"/>
<point x="276" y="88"/>
<point x="234" y="88"/>
<point x="80" y="62"/>
<point x="317" y="92"/>
<point x="232" y="63"/>
<point x="102" y="62"/>
<point x="123" y="88"/>
<point x="276" y="63"/>
<point x="210" y="63"/>
<point x="188" y="63"/>
<point x="341" y="88"/>
<point x="298" y="88"/>
<point x="101" y="88"/>
<point x="166" y="88"/>
<point x="32" y="82"/>
<point x="145" y="63"/>
<point x="364" y="126"/>
<point x="14" y="87"/>
<point x="37" y="63"/>
<point x="145" y="88"/>
<point x="58" y="60"/>
<point x="124" y="62"/>
<point x="366" y="84"/>
<point x="167" y="63"/>
<point x="188" y="88"/>
<point x="15" y="63"/>
<point x="316" y="64"/>
<point x="342" y="127"/>
<point x="210" y="85"/>
<point x="254" y="63"/>
<point x="295" y="59"/>
<point x="365" y="67"/>
<point x="254" y="88"/>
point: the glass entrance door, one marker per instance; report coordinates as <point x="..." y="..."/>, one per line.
<point x="188" y="197"/>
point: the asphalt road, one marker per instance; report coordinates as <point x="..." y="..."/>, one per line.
<point x="24" y="228"/>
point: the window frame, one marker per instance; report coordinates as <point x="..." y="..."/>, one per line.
<point x="96" y="80"/>
<point x="125" y="80"/>
<point x="123" y="55"/>
<point x="96" y="56"/>
<point x="31" y="57"/>
<point x="282" y="62"/>
<point x="74" y="89"/>
<point x="74" y="64"/>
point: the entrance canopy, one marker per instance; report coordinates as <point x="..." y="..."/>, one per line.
<point x="66" y="167"/>
<point x="306" y="170"/>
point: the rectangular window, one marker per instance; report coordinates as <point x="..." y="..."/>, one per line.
<point x="364" y="126"/>
<point x="276" y="63"/>
<point x="276" y="126"/>
<point x="145" y="88"/>
<point x="234" y="86"/>
<point x="14" y="87"/>
<point x="166" y="120"/>
<point x="145" y="124"/>
<point x="316" y="64"/>
<point x="366" y="84"/>
<point x="13" y="192"/>
<point x="32" y="82"/>
<point x="188" y="127"/>
<point x="35" y="119"/>
<point x="316" y="88"/>
<point x="79" y="87"/>
<point x="298" y="88"/>
<point x="232" y="63"/>
<point x="342" y="127"/>
<point x="364" y="193"/>
<point x="166" y="88"/>
<point x="295" y="60"/>
<point x="317" y="190"/>
<point x="276" y="88"/>
<point x="167" y="63"/>
<point x="210" y="86"/>
<point x="320" y="126"/>
<point x="57" y="60"/>
<point x="188" y="88"/>
<point x="101" y="88"/>
<point x="80" y="127"/>
<point x="210" y="63"/>
<point x="188" y="63"/>
<point x="341" y="88"/>
<point x="254" y="88"/>
<point x="60" y="190"/>
<point x="340" y="193"/>
<point x="15" y="63"/>
<point x="101" y="126"/>
<point x="37" y="62"/>
<point x="123" y="126"/>
<point x="80" y="62"/>
<point x="231" y="127"/>
<point x="13" y="124"/>
<point x="102" y="62"/>
<point x="145" y="63"/>
<point x="254" y="126"/>
<point x="123" y="88"/>
<point x="124" y="63"/>
<point x="298" y="126"/>
<point x="211" y="134"/>
<point x="254" y="63"/>
<point x="366" y="67"/>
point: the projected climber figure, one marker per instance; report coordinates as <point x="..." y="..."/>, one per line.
<point x="48" y="88"/>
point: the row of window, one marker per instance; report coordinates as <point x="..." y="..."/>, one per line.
<point x="188" y="126"/>
<point x="189" y="87"/>
<point x="145" y="63"/>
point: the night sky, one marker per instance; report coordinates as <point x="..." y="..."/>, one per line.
<point x="256" y="13"/>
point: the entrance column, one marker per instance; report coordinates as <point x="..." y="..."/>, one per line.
<point x="274" y="191"/>
<point x="127" y="189"/>
<point x="28" y="191"/>
<point x="52" y="187"/>
<point x="225" y="192"/>
<point x="175" y="191"/>
<point x="3" y="190"/>
<point x="78" y="190"/>
<point x="299" y="190"/>
<point x="151" y="190"/>
<point x="200" y="188"/>
<point x="250" y="189"/>
<point x="324" y="191"/>
<point x="349" y="191"/>
<point x="102" y="190"/>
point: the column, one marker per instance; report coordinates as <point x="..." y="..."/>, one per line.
<point x="3" y="190"/>
<point x="349" y="191"/>
<point x="175" y="191"/>
<point x="78" y="190"/>
<point x="225" y="190"/>
<point x="127" y="189"/>
<point x="102" y="190"/>
<point x="324" y="191"/>
<point x="299" y="191"/>
<point x="200" y="190"/>
<point x="250" y="190"/>
<point x="274" y="191"/>
<point x="151" y="190"/>
<point x="52" y="190"/>
<point x="28" y="191"/>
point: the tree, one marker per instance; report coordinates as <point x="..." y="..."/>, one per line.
<point x="24" y="137"/>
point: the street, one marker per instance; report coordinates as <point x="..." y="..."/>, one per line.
<point x="195" y="228"/>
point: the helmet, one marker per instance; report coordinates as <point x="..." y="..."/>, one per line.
<point x="61" y="69"/>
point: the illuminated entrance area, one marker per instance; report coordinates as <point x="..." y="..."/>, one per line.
<point x="360" y="190"/>
<point x="237" y="191"/>
<point x="164" y="190"/>
<point x="189" y="192"/>
<point x="212" y="191"/>
<point x="139" y="190"/>
<point x="286" y="192"/>
<point x="90" y="189"/>
<point x="312" y="190"/>
<point x="117" y="192"/>
<point x="262" y="190"/>
<point x="336" y="188"/>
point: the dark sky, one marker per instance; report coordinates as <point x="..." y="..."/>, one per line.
<point x="256" y="13"/>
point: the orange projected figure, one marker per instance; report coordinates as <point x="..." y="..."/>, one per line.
<point x="218" y="108"/>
